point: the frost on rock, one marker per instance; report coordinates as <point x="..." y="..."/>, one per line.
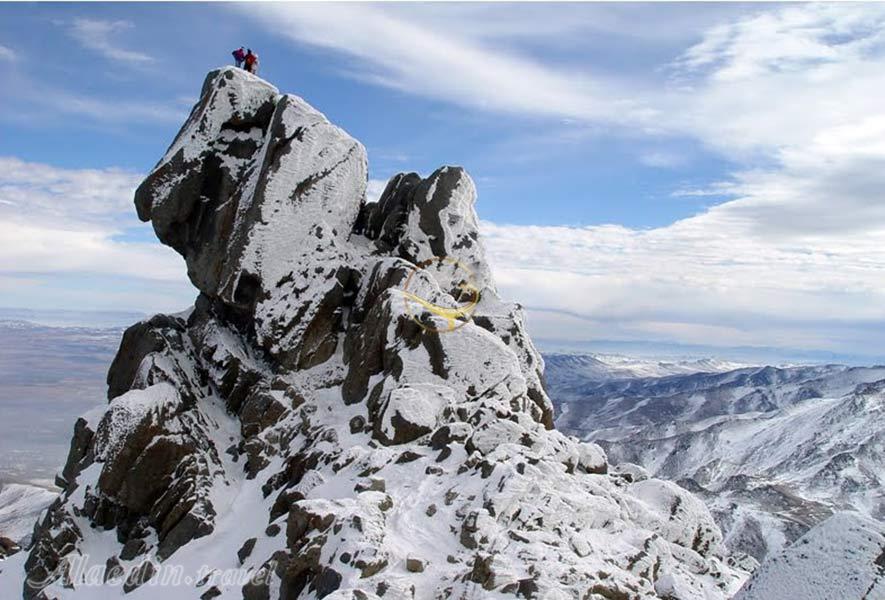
<point x="300" y="422"/>
<point x="676" y="515"/>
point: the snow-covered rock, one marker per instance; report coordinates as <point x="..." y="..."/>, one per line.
<point x="307" y="425"/>
<point x="20" y="505"/>
<point x="676" y="515"/>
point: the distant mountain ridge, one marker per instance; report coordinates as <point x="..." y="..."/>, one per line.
<point x="773" y="451"/>
<point x="606" y="367"/>
<point x="676" y="351"/>
<point x="70" y="318"/>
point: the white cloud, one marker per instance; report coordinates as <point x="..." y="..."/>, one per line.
<point x="63" y="221"/>
<point x="404" y="51"/>
<point x="38" y="192"/>
<point x="791" y="86"/>
<point x="797" y="86"/>
<point x="37" y="248"/>
<point x="791" y="94"/>
<point x="374" y="189"/>
<point x="98" y="34"/>
<point x="115" y="111"/>
<point x="702" y="280"/>
<point x="32" y="101"/>
<point x="780" y="77"/>
<point x="662" y="159"/>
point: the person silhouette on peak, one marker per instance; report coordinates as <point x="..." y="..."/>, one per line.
<point x="250" y="61"/>
<point x="239" y="56"/>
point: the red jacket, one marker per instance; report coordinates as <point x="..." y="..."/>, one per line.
<point x="250" y="59"/>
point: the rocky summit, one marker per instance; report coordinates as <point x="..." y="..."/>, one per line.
<point x="310" y="423"/>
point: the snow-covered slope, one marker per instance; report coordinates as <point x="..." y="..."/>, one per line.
<point x="20" y="505"/>
<point x="843" y="557"/>
<point x="565" y="368"/>
<point x="310" y="423"/>
<point x="772" y="451"/>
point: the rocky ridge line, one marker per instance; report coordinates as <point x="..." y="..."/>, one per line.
<point x="297" y="422"/>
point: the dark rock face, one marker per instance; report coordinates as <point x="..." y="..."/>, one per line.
<point x="8" y="547"/>
<point x="304" y="421"/>
<point x="81" y="454"/>
<point x="192" y="196"/>
<point x="156" y="336"/>
<point x="258" y="192"/>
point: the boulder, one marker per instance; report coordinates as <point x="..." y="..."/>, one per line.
<point x="676" y="515"/>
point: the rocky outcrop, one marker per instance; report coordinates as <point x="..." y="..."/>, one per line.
<point x="8" y="547"/>
<point x="315" y="421"/>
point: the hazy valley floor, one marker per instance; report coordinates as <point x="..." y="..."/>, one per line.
<point x="49" y="375"/>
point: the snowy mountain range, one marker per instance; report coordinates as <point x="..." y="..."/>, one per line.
<point x="772" y="451"/>
<point x="567" y="369"/>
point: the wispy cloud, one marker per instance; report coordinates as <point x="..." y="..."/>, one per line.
<point x="99" y="35"/>
<point x="797" y="86"/>
<point x="6" y="53"/>
<point x="662" y="159"/>
<point x="43" y="102"/>
<point x="736" y="91"/>
<point x="114" y="111"/>
<point x="43" y="193"/>
<point x="401" y="50"/>
<point x="791" y="95"/>
<point x="31" y="97"/>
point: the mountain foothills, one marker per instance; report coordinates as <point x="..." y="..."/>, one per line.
<point x="299" y="424"/>
<point x="772" y="451"/>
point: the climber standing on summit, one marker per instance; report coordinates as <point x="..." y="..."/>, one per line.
<point x="239" y="56"/>
<point x="251" y="61"/>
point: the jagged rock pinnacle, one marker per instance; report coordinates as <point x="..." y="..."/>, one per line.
<point x="307" y="423"/>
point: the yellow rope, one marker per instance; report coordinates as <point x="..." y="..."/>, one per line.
<point x="449" y="314"/>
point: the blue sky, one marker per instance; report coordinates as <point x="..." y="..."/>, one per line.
<point x="688" y="173"/>
<point x="516" y="158"/>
